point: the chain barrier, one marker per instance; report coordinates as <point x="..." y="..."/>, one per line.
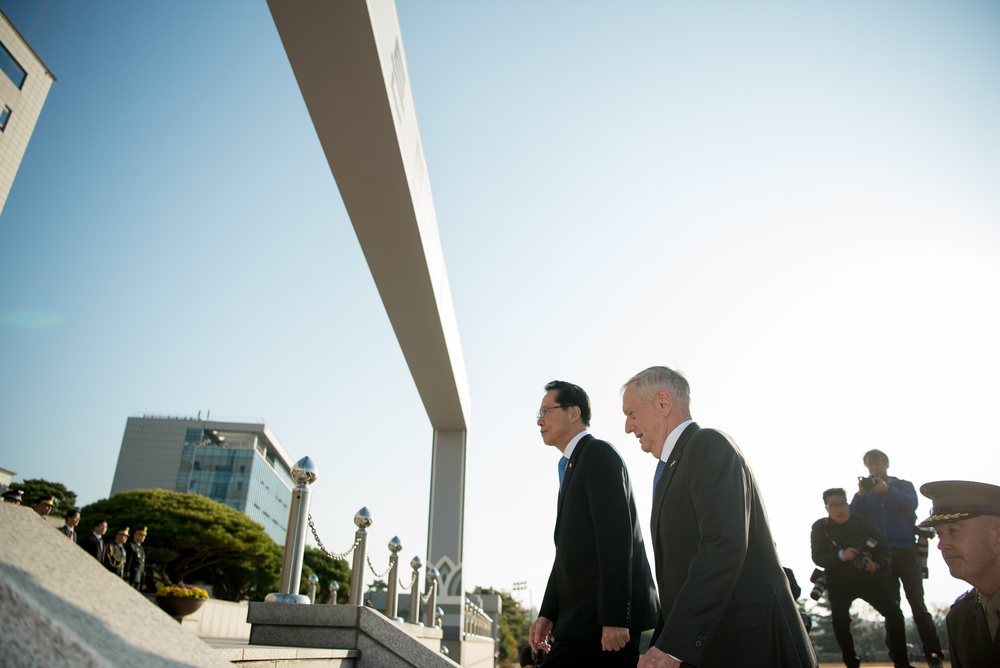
<point x="413" y="580"/>
<point x="377" y="575"/>
<point x="338" y="557"/>
<point x="424" y="598"/>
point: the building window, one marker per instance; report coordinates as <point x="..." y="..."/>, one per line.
<point x="11" y="68"/>
<point x="4" y="117"/>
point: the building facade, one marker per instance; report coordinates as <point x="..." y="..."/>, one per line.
<point x="24" y="85"/>
<point x="241" y="465"/>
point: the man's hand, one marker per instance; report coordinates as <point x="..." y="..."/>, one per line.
<point x="613" y="638"/>
<point x="850" y="553"/>
<point x="881" y="487"/>
<point x="654" y="658"/>
<point x="538" y="634"/>
<point x="870" y="565"/>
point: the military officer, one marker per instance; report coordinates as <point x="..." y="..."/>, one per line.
<point x="966" y="516"/>
<point x="13" y="496"/>
<point x="135" y="559"/>
<point x="114" y="556"/>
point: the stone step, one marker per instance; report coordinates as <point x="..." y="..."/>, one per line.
<point x="260" y="656"/>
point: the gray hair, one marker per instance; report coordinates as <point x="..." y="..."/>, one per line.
<point x="657" y="377"/>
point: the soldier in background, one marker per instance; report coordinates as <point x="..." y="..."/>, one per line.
<point x="135" y="559"/>
<point x="45" y="505"/>
<point x="114" y="556"/>
<point x="13" y="496"/>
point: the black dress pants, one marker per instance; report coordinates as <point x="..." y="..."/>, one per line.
<point x="878" y="591"/>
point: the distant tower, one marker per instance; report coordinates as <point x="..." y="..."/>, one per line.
<point x="24" y="85"/>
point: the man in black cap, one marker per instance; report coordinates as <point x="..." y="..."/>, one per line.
<point x="966" y="516"/>
<point x="13" y="496"/>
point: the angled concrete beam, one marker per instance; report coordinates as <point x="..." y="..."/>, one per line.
<point x="348" y="59"/>
<point x="350" y="65"/>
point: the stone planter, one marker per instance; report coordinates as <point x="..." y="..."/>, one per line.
<point x="179" y="608"/>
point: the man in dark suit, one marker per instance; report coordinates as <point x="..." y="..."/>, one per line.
<point x="600" y="594"/>
<point x="966" y="516"/>
<point x="93" y="543"/>
<point x="724" y="599"/>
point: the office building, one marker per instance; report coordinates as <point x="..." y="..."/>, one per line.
<point x="241" y="465"/>
<point x="24" y="85"/>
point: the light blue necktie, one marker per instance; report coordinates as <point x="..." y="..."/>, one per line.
<point x="562" y="470"/>
<point x="659" y="472"/>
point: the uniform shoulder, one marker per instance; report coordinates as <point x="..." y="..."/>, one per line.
<point x="964" y="599"/>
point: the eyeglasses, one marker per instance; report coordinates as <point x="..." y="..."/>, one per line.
<point x="545" y="409"/>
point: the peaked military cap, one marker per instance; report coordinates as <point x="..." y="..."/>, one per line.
<point x="956" y="500"/>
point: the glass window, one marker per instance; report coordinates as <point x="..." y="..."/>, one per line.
<point x="11" y="67"/>
<point x="4" y="117"/>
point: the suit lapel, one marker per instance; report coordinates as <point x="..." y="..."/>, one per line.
<point x="573" y="461"/>
<point x="668" y="473"/>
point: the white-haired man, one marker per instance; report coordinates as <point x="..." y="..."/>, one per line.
<point x="724" y="598"/>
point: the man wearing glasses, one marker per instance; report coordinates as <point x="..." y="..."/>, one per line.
<point x="600" y="595"/>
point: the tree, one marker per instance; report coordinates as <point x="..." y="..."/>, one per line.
<point x="36" y="489"/>
<point x="246" y="582"/>
<point x="193" y="537"/>
<point x="514" y="625"/>
<point x="378" y="585"/>
<point x="327" y="570"/>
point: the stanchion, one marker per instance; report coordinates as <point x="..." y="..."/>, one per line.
<point x="303" y="474"/>
<point x="363" y="520"/>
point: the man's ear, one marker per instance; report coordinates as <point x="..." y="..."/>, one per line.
<point x="663" y="402"/>
<point x="995" y="537"/>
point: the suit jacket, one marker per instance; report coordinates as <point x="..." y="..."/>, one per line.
<point x="724" y="598"/>
<point x="600" y="576"/>
<point x="969" y="635"/>
<point x="96" y="549"/>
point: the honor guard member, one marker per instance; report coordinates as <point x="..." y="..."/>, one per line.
<point x="114" y="556"/>
<point x="13" y="496"/>
<point x="966" y="516"/>
<point x="45" y="505"/>
<point x="135" y="559"/>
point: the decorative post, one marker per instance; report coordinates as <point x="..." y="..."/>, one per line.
<point x="415" y="564"/>
<point x="363" y="520"/>
<point x="313" y="582"/>
<point x="303" y="474"/>
<point x="334" y="588"/>
<point x="392" y="596"/>
<point x="432" y="577"/>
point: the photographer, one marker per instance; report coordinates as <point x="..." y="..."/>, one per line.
<point x="891" y="503"/>
<point x="857" y="561"/>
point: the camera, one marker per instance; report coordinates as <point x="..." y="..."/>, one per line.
<point x="869" y="482"/>
<point x="864" y="554"/>
<point x="923" y="535"/>
<point x="818" y="578"/>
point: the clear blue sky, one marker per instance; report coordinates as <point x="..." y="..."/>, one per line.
<point x="795" y="204"/>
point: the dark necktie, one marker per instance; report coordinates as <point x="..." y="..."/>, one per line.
<point x="562" y="470"/>
<point x="100" y="545"/>
<point x="659" y="472"/>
